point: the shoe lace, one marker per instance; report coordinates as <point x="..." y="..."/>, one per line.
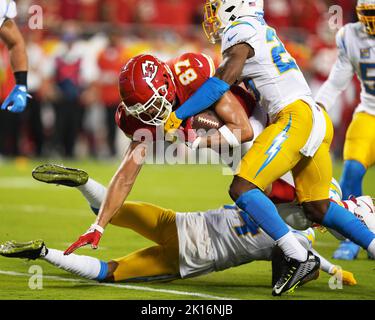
<point x="290" y="273"/>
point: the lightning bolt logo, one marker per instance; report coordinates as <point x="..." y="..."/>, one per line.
<point x="276" y="146"/>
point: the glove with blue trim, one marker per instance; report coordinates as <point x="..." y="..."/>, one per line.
<point x="17" y="100"/>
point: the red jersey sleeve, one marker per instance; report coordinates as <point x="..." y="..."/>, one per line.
<point x="190" y="71"/>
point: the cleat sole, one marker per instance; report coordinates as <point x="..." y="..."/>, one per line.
<point x="56" y="174"/>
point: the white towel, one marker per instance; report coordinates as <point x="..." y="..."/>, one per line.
<point x="318" y="131"/>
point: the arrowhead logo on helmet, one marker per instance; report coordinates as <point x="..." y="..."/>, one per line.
<point x="147" y="89"/>
<point x="149" y="70"/>
<point x="219" y="13"/>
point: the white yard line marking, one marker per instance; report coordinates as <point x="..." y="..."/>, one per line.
<point x="121" y="286"/>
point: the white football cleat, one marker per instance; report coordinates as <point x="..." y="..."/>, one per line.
<point x="365" y="211"/>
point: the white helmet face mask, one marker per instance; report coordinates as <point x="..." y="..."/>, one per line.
<point x="156" y="110"/>
<point x="219" y="13"/>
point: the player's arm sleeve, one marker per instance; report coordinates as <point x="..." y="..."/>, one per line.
<point x="210" y="92"/>
<point x="340" y="77"/>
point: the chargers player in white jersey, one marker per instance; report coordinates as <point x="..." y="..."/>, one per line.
<point x="298" y="139"/>
<point x="356" y="55"/>
<point x="188" y="244"/>
<point x="9" y="33"/>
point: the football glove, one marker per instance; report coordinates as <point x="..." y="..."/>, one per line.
<point x="172" y="123"/>
<point x="17" y="100"/>
<point x="346" y="276"/>
<point x="92" y="236"/>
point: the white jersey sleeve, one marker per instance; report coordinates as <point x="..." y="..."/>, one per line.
<point x="8" y="10"/>
<point x="357" y="55"/>
<point x="241" y="31"/>
<point x="340" y="77"/>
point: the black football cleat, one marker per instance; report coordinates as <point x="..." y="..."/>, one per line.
<point x="25" y="250"/>
<point x="289" y="274"/>
<point x="56" y="174"/>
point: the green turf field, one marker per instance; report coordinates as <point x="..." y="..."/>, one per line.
<point x="32" y="210"/>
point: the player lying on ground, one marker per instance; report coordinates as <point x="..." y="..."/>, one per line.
<point x="158" y="91"/>
<point x="12" y="37"/>
<point x="356" y="48"/>
<point x="187" y="244"/>
<point x="297" y="140"/>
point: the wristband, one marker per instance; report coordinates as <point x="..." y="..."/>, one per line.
<point x="97" y="228"/>
<point x="21" y="78"/>
<point x="229" y="136"/>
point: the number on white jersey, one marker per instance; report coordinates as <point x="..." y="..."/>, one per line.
<point x="248" y="226"/>
<point x="368" y="77"/>
<point x="281" y="58"/>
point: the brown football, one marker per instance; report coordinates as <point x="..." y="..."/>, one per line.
<point x="206" y="120"/>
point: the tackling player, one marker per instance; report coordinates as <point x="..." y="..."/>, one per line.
<point x="188" y="244"/>
<point x="150" y="90"/>
<point x="11" y="35"/>
<point x="356" y="45"/>
<point x="298" y="139"/>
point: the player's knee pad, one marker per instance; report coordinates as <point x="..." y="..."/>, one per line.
<point x="351" y="181"/>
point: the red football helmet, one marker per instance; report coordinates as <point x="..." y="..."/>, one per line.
<point x="147" y="89"/>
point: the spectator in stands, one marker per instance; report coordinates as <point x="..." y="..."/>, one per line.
<point x="110" y="61"/>
<point x="65" y="73"/>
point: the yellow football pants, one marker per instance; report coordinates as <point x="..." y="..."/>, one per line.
<point x="360" y="140"/>
<point x="277" y="151"/>
<point x="158" y="225"/>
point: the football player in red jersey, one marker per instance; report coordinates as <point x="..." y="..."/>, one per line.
<point x="150" y="90"/>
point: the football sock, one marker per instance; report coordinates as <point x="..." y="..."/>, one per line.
<point x="291" y="247"/>
<point x="344" y="222"/>
<point x="94" y="192"/>
<point x="264" y="213"/>
<point x="325" y="265"/>
<point x="351" y="181"/>
<point x="83" y="266"/>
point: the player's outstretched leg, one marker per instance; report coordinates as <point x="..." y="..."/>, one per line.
<point x="56" y="174"/>
<point x="83" y="266"/>
<point x="93" y="191"/>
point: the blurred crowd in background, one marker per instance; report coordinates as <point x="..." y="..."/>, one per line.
<point x="75" y="60"/>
